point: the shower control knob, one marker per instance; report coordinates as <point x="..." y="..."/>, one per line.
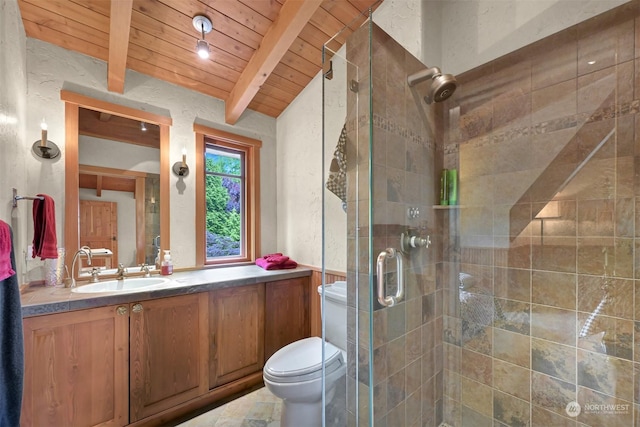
<point x="418" y="242"/>
<point x="408" y="242"/>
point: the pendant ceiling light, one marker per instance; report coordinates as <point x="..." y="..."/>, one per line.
<point x="204" y="26"/>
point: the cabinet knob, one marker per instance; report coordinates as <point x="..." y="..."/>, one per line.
<point x="137" y="308"/>
<point x="122" y="310"/>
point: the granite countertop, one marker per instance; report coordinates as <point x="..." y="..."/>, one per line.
<point x="39" y="300"/>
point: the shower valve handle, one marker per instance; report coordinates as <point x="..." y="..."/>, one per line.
<point x="408" y="242"/>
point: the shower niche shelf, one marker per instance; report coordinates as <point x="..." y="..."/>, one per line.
<point x="447" y="207"/>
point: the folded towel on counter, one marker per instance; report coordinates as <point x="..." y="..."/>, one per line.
<point x="45" y="244"/>
<point x="276" y="258"/>
<point x="276" y="263"/>
<point x="272" y="255"/>
<point x="5" y="251"/>
<point x="101" y="251"/>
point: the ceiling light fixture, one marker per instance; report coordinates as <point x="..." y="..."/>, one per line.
<point x="143" y="126"/>
<point x="204" y="26"/>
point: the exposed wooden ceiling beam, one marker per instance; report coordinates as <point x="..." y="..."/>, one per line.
<point x="119" y="28"/>
<point x="292" y="18"/>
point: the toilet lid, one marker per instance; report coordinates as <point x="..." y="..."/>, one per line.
<point x="302" y="358"/>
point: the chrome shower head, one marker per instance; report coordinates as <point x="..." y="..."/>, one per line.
<point x="442" y="85"/>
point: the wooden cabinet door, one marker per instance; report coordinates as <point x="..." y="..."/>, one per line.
<point x="169" y="353"/>
<point x="236" y="333"/>
<point x="286" y="313"/>
<point x="76" y="368"/>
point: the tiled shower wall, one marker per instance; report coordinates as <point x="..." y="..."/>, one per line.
<point x="152" y="216"/>
<point x="407" y="377"/>
<point x="541" y="295"/>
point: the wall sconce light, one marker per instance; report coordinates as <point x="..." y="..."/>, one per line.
<point x="143" y="126"/>
<point x="181" y="168"/>
<point x="43" y="147"/>
<point x="204" y="26"/>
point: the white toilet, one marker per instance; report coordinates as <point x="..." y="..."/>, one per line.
<point x="294" y="373"/>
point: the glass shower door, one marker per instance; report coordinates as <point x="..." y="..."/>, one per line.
<point x="346" y="213"/>
<point x="378" y="215"/>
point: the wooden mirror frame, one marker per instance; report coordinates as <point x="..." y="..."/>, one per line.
<point x="73" y="101"/>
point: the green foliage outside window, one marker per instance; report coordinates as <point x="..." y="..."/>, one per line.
<point x="223" y="197"/>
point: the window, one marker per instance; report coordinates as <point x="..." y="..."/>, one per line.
<point x="227" y="192"/>
<point x="224" y="190"/>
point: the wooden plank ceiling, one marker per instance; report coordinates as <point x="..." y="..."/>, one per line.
<point x="263" y="52"/>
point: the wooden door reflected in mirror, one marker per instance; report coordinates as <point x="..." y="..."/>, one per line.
<point x="99" y="229"/>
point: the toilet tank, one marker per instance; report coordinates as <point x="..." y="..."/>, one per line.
<point x="335" y="313"/>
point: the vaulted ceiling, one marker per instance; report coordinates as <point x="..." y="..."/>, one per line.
<point x="263" y="52"/>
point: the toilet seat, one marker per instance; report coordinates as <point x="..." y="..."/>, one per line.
<point x="301" y="361"/>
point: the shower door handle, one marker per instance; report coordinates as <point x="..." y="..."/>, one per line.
<point x="389" y="301"/>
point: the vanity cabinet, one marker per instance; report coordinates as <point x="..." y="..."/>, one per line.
<point x="76" y="368"/>
<point x="286" y="313"/>
<point x="148" y="362"/>
<point x="236" y="337"/>
<point x="168" y="353"/>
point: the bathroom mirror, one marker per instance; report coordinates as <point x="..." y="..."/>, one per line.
<point x="119" y="188"/>
<point x="116" y="190"/>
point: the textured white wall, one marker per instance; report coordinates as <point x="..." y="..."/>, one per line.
<point x="476" y="32"/>
<point x="300" y="173"/>
<point x="432" y="33"/>
<point x="403" y="20"/>
<point x="13" y="107"/>
<point x="51" y="69"/>
<point x="97" y="152"/>
<point x="299" y="185"/>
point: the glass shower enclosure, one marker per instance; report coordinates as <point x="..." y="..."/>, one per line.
<point x="380" y="162"/>
<point x="519" y="303"/>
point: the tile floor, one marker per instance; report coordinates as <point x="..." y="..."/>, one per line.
<point x="257" y="409"/>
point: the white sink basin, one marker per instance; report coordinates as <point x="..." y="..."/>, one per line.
<point x="127" y="285"/>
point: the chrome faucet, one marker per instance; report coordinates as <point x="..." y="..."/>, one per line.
<point x="86" y="251"/>
<point x="121" y="272"/>
<point x="94" y="275"/>
<point x="145" y="268"/>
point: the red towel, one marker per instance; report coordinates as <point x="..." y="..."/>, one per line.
<point x="272" y="255"/>
<point x="45" y="244"/>
<point x="276" y="258"/>
<point x="268" y="265"/>
<point x="5" y="251"/>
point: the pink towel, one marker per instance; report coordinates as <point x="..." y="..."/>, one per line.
<point x="45" y="244"/>
<point x="268" y="265"/>
<point x="272" y="255"/>
<point x="5" y="251"/>
<point x="276" y="258"/>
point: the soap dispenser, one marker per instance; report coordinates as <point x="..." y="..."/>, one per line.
<point x="157" y="260"/>
<point x="167" y="264"/>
